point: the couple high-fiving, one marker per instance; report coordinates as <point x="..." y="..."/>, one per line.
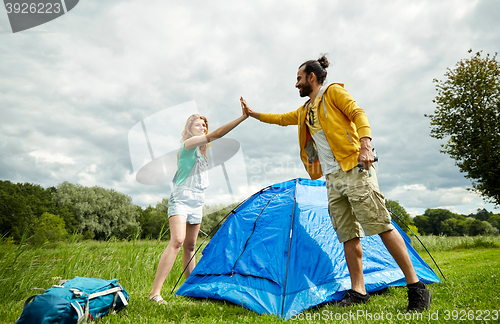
<point x="334" y="136"/>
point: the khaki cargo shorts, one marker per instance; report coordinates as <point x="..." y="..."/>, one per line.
<point x="356" y="204"/>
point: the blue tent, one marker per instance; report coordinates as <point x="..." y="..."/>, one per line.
<point x="278" y="254"/>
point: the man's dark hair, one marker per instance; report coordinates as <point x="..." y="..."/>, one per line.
<point x="318" y="67"/>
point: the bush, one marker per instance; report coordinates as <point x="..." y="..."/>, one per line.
<point x="478" y="242"/>
<point x="49" y="228"/>
<point x="414" y="229"/>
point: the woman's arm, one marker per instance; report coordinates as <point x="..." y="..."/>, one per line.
<point x="196" y="141"/>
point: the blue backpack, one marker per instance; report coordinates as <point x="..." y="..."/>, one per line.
<point x="74" y="301"/>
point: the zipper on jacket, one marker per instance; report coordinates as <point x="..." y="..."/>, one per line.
<point x="300" y="120"/>
<point x="348" y="135"/>
<point x="324" y="108"/>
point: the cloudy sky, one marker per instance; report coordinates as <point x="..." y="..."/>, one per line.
<point x="79" y="93"/>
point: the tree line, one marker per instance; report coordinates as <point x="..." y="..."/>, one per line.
<point x="444" y="222"/>
<point x="29" y="212"/>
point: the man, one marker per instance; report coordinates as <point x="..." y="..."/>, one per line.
<point x="334" y="136"/>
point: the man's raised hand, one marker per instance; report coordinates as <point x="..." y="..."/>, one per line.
<point x="247" y="110"/>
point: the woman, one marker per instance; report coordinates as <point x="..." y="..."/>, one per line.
<point x="186" y="201"/>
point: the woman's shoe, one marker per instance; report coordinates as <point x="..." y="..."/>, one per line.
<point x="158" y="299"/>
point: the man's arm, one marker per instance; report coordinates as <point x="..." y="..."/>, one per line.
<point x="343" y="100"/>
<point x="247" y="109"/>
<point x="286" y="119"/>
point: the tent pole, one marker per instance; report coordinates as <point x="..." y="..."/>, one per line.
<point x="289" y="247"/>
<point x="419" y="241"/>
<point x="209" y="234"/>
<point x="253" y="231"/>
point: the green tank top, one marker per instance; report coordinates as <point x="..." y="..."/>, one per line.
<point x="185" y="164"/>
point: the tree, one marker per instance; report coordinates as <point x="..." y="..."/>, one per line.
<point x="495" y="220"/>
<point x="423" y="225"/>
<point x="468" y="115"/>
<point x="22" y="204"/>
<point x="490" y="229"/>
<point x="482" y="214"/>
<point x="99" y="212"/>
<point x="451" y="227"/>
<point x="16" y="215"/>
<point x="432" y="222"/>
<point x="477" y="227"/>
<point x="66" y="212"/>
<point x="400" y="216"/>
<point x="154" y="221"/>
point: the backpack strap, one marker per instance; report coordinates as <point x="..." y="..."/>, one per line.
<point x="30" y="298"/>
<point x="122" y="296"/>
<point x="79" y="311"/>
<point x="84" y="314"/>
<point x="123" y="299"/>
<point x="105" y="292"/>
<point x="117" y="291"/>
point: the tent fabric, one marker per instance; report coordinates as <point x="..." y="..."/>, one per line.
<point x="278" y="254"/>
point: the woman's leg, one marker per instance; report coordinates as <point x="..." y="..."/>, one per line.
<point x="189" y="247"/>
<point x="177" y="236"/>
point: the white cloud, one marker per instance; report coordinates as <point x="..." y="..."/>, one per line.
<point x="417" y="195"/>
<point x="69" y="97"/>
<point x="49" y="157"/>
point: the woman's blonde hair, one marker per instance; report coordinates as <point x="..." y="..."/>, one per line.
<point x="186" y="133"/>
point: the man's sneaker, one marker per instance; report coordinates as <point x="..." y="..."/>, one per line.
<point x="352" y="297"/>
<point x="419" y="299"/>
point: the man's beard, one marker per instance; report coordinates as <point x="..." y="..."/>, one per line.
<point x="305" y="89"/>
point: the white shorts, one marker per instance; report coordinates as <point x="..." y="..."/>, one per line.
<point x="186" y="202"/>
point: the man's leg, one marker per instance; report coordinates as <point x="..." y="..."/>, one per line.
<point x="353" y="256"/>
<point x="397" y="248"/>
<point x="391" y="237"/>
<point x="369" y="206"/>
<point x="348" y="231"/>
<point x="419" y="297"/>
<point x="353" y="252"/>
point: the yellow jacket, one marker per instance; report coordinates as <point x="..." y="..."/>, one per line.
<point x="343" y="122"/>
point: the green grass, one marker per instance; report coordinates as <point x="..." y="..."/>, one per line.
<point x="472" y="271"/>
<point x="444" y="243"/>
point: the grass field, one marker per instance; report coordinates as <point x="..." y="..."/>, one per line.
<point x="471" y="291"/>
